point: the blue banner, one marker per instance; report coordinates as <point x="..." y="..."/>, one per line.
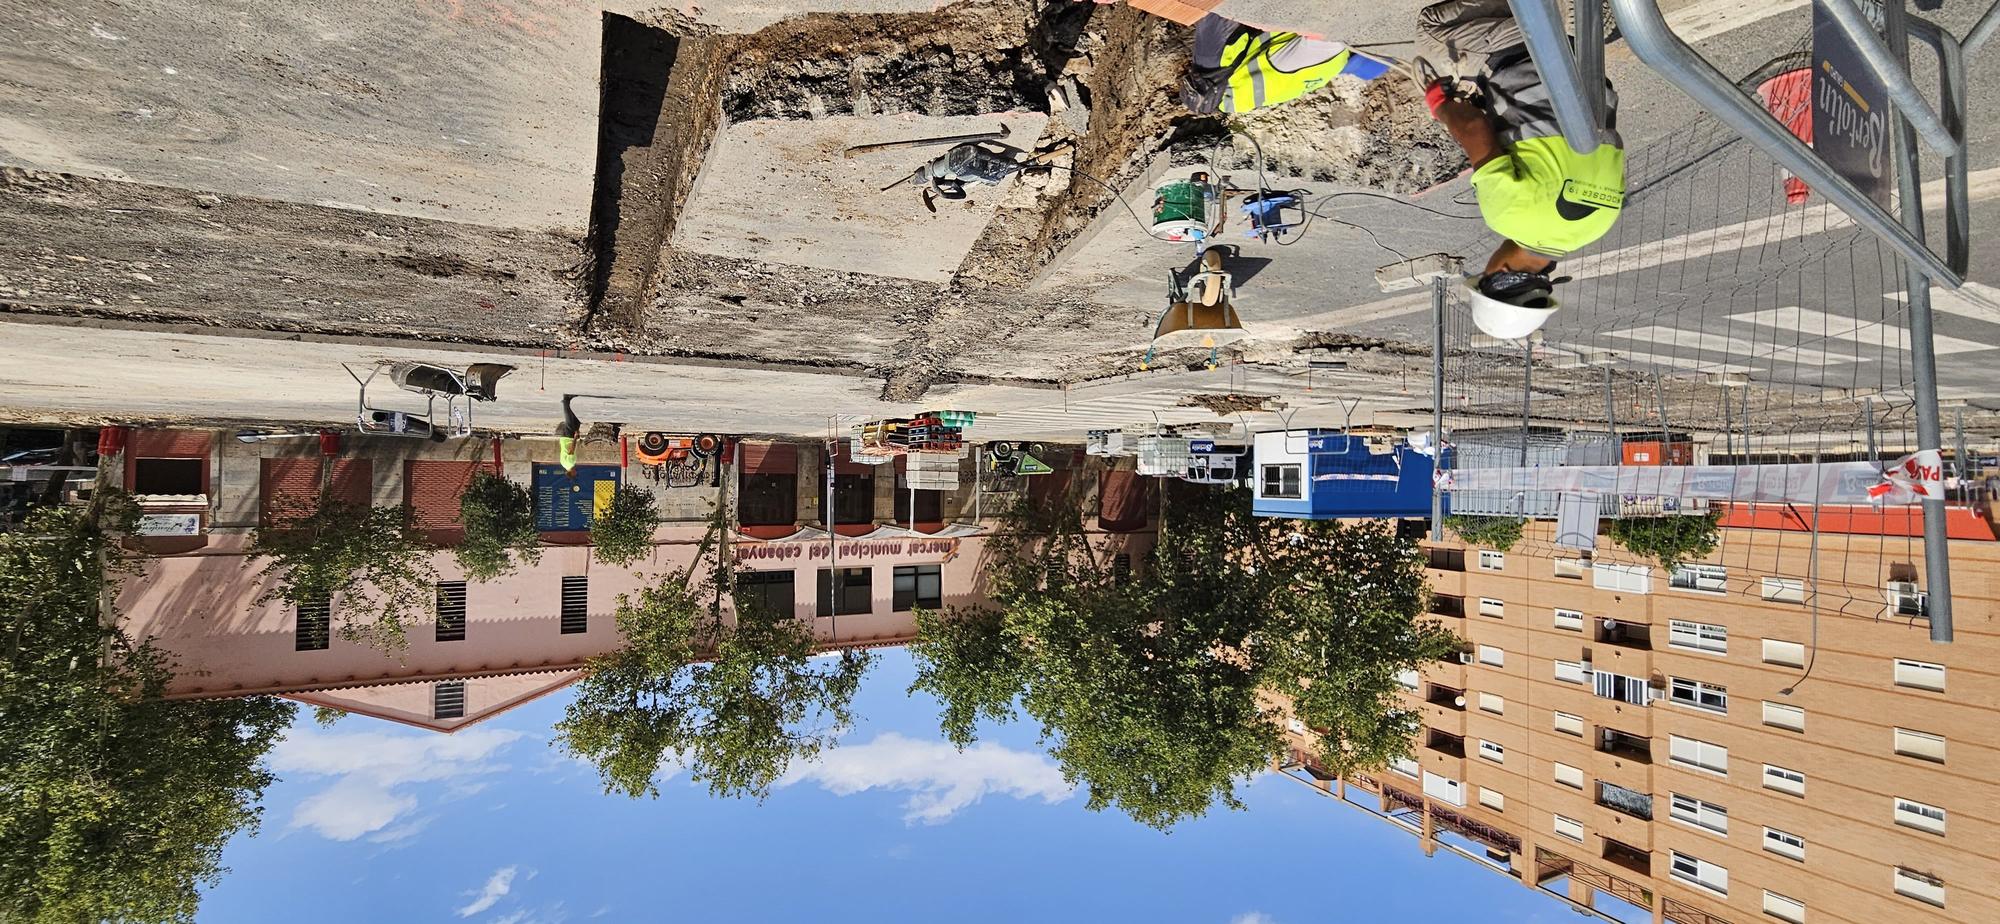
<point x="565" y="503"/>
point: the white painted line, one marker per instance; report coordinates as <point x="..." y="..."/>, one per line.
<point x="1871" y="334"/>
<point x="1710" y="18"/>
<point x="1725" y="347"/>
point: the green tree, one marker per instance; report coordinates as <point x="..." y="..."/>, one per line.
<point x="499" y="520"/>
<point x="1670" y="539"/>
<point x="623" y="533"/>
<point x="1499" y="533"/>
<point x="117" y="804"/>
<point x="734" y="701"/>
<point x="1151" y="692"/>
<point x="369" y="556"/>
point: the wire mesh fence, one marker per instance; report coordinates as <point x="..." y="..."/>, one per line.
<point x="1726" y="320"/>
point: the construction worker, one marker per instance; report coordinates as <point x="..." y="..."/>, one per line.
<point x="1543" y="197"/>
<point x="1238" y="68"/>
<point x="566" y="437"/>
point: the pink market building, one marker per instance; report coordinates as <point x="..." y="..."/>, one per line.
<point x="494" y="645"/>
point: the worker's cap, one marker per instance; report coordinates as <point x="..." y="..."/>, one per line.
<point x="1510" y="305"/>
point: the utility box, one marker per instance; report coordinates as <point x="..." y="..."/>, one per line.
<point x="1679" y="452"/>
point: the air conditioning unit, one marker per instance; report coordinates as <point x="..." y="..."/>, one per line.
<point x="1465" y="657"/>
<point x="1906" y="600"/>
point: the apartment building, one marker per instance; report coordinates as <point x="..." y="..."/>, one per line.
<point x="1730" y="742"/>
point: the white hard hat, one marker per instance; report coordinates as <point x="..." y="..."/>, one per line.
<point x="1506" y="320"/>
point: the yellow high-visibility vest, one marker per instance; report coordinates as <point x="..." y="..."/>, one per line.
<point x="1256" y="82"/>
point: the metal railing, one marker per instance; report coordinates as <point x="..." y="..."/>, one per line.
<point x="1578" y="113"/>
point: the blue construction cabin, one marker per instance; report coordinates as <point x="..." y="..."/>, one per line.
<point x="1327" y="474"/>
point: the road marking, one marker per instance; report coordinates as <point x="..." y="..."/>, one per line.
<point x="1710" y="18"/>
<point x="1727" y="347"/>
<point x="1819" y="324"/>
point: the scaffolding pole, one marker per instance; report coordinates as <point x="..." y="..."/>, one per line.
<point x="1437" y="406"/>
<point x="1548" y="44"/>
<point x="1923" y="353"/>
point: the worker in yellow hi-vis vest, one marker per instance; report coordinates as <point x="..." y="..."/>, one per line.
<point x="566" y="433"/>
<point x="1537" y="192"/>
<point x="1238" y="68"/>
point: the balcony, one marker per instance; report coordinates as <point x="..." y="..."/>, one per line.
<point x="1447" y="697"/>
<point x="1624" y="745"/>
<point x="1448" y="606"/>
<point x="1631" y="858"/>
<point x="1628" y="635"/>
<point x="1447" y="744"/>
<point x="1445" y="559"/>
<point x="1619" y="799"/>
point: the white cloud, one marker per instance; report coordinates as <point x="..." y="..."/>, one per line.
<point x="1252" y="917"/>
<point x="496" y="888"/>
<point x="515" y="917"/>
<point x="372" y="774"/>
<point x="942" y="780"/>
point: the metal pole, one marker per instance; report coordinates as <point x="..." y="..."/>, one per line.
<point x="1871" y="428"/>
<point x="1728" y="426"/>
<point x="1541" y="25"/>
<point x="1660" y="399"/>
<point x="1952" y="99"/>
<point x="1589" y="26"/>
<point x="1923" y="354"/>
<point x="1646" y="32"/>
<point x="1527" y="394"/>
<point x="1610" y="410"/>
<point x="1964" y="462"/>
<point x="1892" y="68"/>
<point x="1437" y="406"/>
<point x="978" y="483"/>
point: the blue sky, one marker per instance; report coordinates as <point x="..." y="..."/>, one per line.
<point x="375" y="822"/>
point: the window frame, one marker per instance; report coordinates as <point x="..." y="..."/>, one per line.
<point x="1766" y="656"/>
<point x="1701" y="752"/>
<point x="1784" y="844"/>
<point x="1493" y="751"/>
<point x="1919" y="817"/>
<point x="1922" y="739"/>
<point x="1559" y="718"/>
<point x="1557" y="823"/>
<point x="444" y="694"/>
<point x="1698" y="813"/>
<point x="1705" y="637"/>
<point x="1921" y="885"/>
<point x="901" y="601"/>
<point x="1915" y="666"/>
<point x="1498" y="609"/>
<point x="1784" y="776"/>
<point x="1789" y="909"/>
<point x="1289" y="483"/>
<point x="833" y="599"/>
<point x="1499" y="658"/>
<point x="1700" y="695"/>
<point x="1702" y="574"/>
<point x="1580" y="668"/>
<point x="1698" y="877"/>
<point x="1498" y="558"/>
<point x="1784" y="711"/>
<point x="1414" y="771"/>
<point x="1571" y="620"/>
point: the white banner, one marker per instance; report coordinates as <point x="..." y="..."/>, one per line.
<point x="1908" y="480"/>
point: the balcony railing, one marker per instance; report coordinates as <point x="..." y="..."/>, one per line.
<point x="1624" y="744"/>
<point x="1619" y="799"/>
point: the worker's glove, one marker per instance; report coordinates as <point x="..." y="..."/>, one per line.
<point x="1436" y="94"/>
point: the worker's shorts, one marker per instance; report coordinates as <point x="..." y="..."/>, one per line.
<point x="1459" y="37"/>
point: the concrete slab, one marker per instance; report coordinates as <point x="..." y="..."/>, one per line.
<point x="780" y="191"/>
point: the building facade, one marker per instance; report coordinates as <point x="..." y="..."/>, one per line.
<point x="489" y="646"/>
<point x="1718" y="744"/>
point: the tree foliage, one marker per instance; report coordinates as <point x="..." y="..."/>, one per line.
<point x="734" y="701"/>
<point x="114" y="804"/>
<point x="1670" y="540"/>
<point x="1150" y="692"/>
<point x="499" y="520"/>
<point x="1499" y="533"/>
<point x="370" y="557"/>
<point x="623" y="533"/>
